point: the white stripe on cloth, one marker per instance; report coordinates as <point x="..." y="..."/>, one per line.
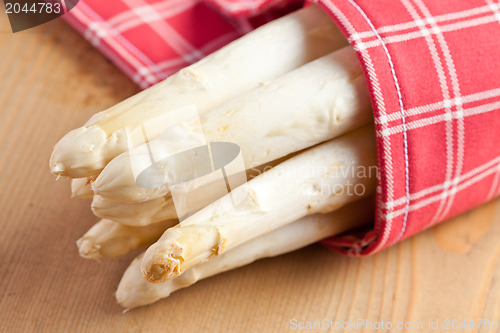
<point x="118" y="45"/>
<point x="456" y="26"/>
<point x="167" y="33"/>
<point x="129" y="19"/>
<point x="439" y="18"/>
<point x="244" y="25"/>
<point x="495" y="184"/>
<point x="459" y="113"/>
<point x="494" y="163"/>
<point x="420" y="110"/>
<point x="467" y="112"/>
<point x="249" y="6"/>
<point x="173" y="64"/>
<point x="445" y="90"/>
<point x="140" y="15"/>
<point x="453" y="191"/>
<point x="495" y="8"/>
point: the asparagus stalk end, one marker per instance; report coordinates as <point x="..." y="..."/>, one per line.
<point x="168" y="258"/>
<point x="88" y="249"/>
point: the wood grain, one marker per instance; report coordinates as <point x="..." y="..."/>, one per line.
<point x="52" y="81"/>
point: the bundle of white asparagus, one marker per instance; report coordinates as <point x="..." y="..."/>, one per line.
<point x="286" y="103"/>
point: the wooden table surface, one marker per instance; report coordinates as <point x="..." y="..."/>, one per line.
<point x="53" y="81"/>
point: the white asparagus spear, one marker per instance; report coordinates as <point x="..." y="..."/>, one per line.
<point x="134" y="290"/>
<point x="160" y="209"/>
<point x="135" y="213"/>
<point x="108" y="239"/>
<point x="267" y="52"/>
<point x="81" y="188"/>
<point x="321" y="179"/>
<point x="314" y="103"/>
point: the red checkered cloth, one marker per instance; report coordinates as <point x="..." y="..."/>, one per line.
<point x="152" y="39"/>
<point x="432" y="67"/>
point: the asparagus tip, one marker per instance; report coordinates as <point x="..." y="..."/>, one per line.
<point x="57" y="168"/>
<point x="88" y="249"/>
